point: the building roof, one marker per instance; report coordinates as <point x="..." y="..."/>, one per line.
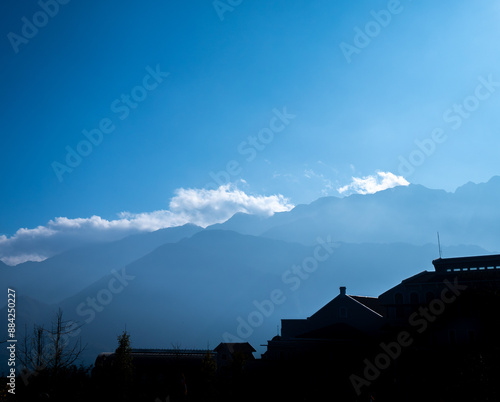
<point x="162" y="354"/>
<point x="483" y="271"/>
<point x="372" y="303"/>
<point x="369" y="303"/>
<point x="467" y="263"/>
<point x="170" y="352"/>
<point x="242" y="347"/>
<point x="154" y="358"/>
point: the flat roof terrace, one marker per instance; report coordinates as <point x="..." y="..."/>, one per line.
<point x="476" y="263"/>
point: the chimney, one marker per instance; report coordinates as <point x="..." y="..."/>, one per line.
<point x="342" y="290"/>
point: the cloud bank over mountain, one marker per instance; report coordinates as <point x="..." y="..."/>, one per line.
<point x="197" y="206"/>
<point x="373" y="184"/>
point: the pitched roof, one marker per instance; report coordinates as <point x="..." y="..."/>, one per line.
<point x="371" y="302"/>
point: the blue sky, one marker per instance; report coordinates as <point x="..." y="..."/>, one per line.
<point x="234" y="73"/>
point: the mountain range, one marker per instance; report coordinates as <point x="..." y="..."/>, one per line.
<point x="194" y="287"/>
<point x="411" y="214"/>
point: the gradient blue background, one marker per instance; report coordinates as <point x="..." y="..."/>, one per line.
<point x="352" y="119"/>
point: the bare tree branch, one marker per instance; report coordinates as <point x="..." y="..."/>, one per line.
<point x="51" y="349"/>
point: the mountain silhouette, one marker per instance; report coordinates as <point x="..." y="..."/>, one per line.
<point x="64" y="274"/>
<point x="190" y="286"/>
<point x="411" y="214"/>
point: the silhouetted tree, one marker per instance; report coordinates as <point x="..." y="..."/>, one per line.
<point x="208" y="364"/>
<point x="209" y="372"/>
<point x="123" y="358"/>
<point x="123" y="367"/>
<point x="62" y="354"/>
<point x="48" y="356"/>
<point x="53" y="349"/>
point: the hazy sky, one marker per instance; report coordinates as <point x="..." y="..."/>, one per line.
<point x="291" y="99"/>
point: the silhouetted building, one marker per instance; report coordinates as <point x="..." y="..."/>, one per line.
<point x="463" y="292"/>
<point x="157" y="364"/>
<point x="434" y="336"/>
<point x="231" y="353"/>
<point x="175" y="373"/>
<point x="346" y="320"/>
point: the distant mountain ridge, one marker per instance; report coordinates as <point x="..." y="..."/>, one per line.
<point x="411" y="214"/>
<point x="194" y="291"/>
<point x="190" y="285"/>
<point x="64" y="274"/>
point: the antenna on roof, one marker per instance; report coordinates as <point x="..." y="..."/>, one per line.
<point x="439" y="245"/>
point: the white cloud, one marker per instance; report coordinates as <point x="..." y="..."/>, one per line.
<point x="372" y="184"/>
<point x="197" y="206"/>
